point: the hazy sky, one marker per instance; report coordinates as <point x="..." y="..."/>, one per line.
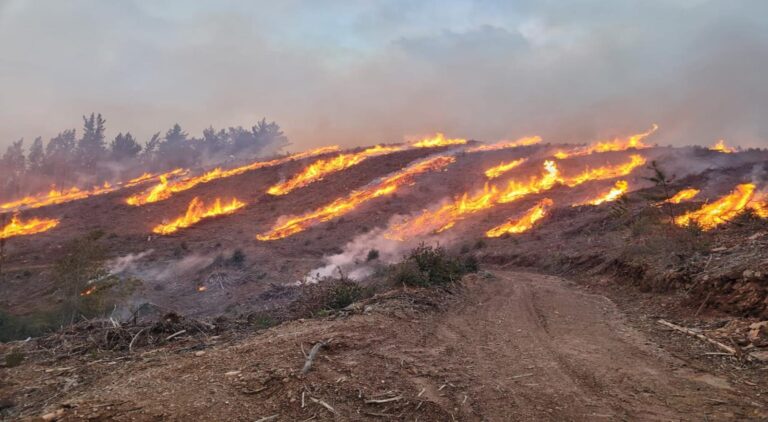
<point x="359" y="72"/>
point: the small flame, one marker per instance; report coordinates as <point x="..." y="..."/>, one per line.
<point x="525" y="141"/>
<point x="525" y="222"/>
<point x="164" y="189"/>
<point x="321" y="168"/>
<point x="720" y="146"/>
<point x="682" y="196"/>
<point x="344" y="205"/>
<point x="502" y="168"/>
<point x="720" y="211"/>
<point x="89" y="291"/>
<point x="438" y="140"/>
<point x="619" y="189"/>
<point x="201" y="288"/>
<point x="196" y="211"/>
<point x="446" y="216"/>
<point x="618" y="144"/>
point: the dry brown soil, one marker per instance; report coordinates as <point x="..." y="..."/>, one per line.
<point x="515" y="346"/>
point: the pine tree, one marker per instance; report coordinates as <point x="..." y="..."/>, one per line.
<point x="91" y="148"/>
<point x="36" y="155"/>
<point x="124" y="147"/>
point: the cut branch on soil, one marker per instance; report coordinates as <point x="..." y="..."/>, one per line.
<point x="311" y="357"/>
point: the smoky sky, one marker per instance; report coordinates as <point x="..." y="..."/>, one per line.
<point x="360" y="72"/>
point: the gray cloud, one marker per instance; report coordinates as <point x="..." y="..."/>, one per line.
<point x="363" y="72"/>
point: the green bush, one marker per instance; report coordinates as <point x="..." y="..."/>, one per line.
<point x="372" y="255"/>
<point x="428" y="265"/>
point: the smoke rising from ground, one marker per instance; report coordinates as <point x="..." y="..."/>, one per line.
<point x="364" y="72"/>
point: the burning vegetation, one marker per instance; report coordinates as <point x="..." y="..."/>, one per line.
<point x="439" y="140"/>
<point x="321" y="168"/>
<point x="525" y="141"/>
<point x="620" y="188"/>
<point x="197" y="211"/>
<point x="165" y="189"/>
<point x="502" y="168"/>
<point x="683" y="196"/>
<point x="618" y="144"/>
<point x="720" y="146"/>
<point x="341" y="206"/>
<point x="19" y="227"/>
<point x="720" y="211"/>
<point x="524" y="222"/>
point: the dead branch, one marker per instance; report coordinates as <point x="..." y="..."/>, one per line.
<point x="311" y="357"/>
<point x="324" y="404"/>
<point x="699" y="336"/>
<point x="379" y="401"/>
<point x="177" y="333"/>
<point x="268" y="418"/>
<point x="133" y="340"/>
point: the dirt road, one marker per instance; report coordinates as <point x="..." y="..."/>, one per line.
<point x="513" y="347"/>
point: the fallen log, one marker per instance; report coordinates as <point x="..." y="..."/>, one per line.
<point x="721" y="346"/>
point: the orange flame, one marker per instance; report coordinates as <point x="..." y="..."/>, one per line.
<point x="323" y="167"/>
<point x="438" y="140"/>
<point x="721" y="211"/>
<point x="344" y="205"/>
<point x="525" y="141"/>
<point x="721" y="147"/>
<point x="683" y="195"/>
<point x="196" y="212"/>
<point x="446" y="216"/>
<point x="502" y="168"/>
<point x="164" y="190"/>
<point x="523" y="223"/>
<point x="56" y="196"/>
<point x="618" y="144"/>
<point x="619" y="189"/>
<point x="760" y="208"/>
<point x="17" y="227"/>
<point x="89" y="291"/>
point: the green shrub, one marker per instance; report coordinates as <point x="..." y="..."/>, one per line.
<point x="427" y="265"/>
<point x="14" y="358"/>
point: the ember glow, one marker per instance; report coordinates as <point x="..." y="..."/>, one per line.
<point x="502" y="168"/>
<point x="720" y="211"/>
<point x="19" y="227"/>
<point x="165" y="189"/>
<point x="619" y="189"/>
<point x="439" y="140"/>
<point x="683" y="195"/>
<point x="618" y="144"/>
<point x="720" y="146"/>
<point x="197" y="211"/>
<point x="524" y="222"/>
<point x="446" y="216"/>
<point x="526" y="141"/>
<point x="323" y="167"/>
<point x="344" y="205"/>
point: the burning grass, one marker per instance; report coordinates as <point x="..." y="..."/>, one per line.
<point x="720" y="211"/>
<point x="620" y="188"/>
<point x="446" y="216"/>
<point x="324" y="167"/>
<point x="619" y="144"/>
<point x="344" y="205"/>
<point x="19" y="227"/>
<point x="438" y="140"/>
<point x="525" y="141"/>
<point x="60" y="196"/>
<point x="720" y="146"/>
<point x="683" y="196"/>
<point x="523" y="223"/>
<point x="196" y="211"/>
<point x="499" y="170"/>
<point x="165" y="189"/>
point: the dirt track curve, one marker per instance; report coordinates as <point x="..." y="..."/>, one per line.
<point x="514" y="347"/>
